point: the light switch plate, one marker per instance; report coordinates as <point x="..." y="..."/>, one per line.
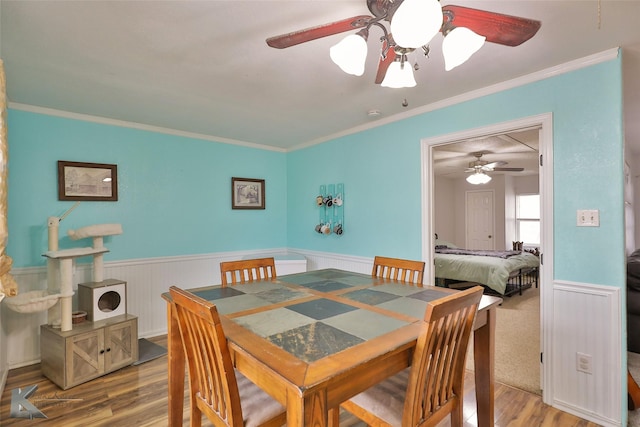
<point x="588" y="218"/>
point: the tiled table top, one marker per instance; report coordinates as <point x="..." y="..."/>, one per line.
<point x="319" y="313"/>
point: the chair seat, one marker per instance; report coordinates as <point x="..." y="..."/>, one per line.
<point x="258" y="408"/>
<point x="385" y="399"/>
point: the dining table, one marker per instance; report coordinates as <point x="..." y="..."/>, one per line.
<point x="315" y="339"/>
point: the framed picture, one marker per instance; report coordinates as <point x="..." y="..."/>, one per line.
<point x="87" y="181"/>
<point x="247" y="193"/>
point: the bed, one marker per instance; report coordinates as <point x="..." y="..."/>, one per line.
<point x="501" y="272"/>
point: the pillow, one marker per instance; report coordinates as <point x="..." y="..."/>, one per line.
<point x="439" y="243"/>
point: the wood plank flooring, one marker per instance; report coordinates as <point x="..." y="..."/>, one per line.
<point x="137" y="396"/>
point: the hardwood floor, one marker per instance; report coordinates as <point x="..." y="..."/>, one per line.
<point x="137" y="396"/>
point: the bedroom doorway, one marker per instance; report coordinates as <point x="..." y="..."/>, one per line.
<point x="442" y="219"/>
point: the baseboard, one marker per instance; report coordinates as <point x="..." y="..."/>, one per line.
<point x="579" y="412"/>
<point x="153" y="333"/>
<point x="3" y="379"/>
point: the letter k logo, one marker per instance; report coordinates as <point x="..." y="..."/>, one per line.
<point x="20" y="405"/>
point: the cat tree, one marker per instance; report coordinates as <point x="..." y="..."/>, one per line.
<point x="60" y="264"/>
<point x="60" y="271"/>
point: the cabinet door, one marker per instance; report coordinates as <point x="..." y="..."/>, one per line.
<point x="121" y="345"/>
<point x="85" y="359"/>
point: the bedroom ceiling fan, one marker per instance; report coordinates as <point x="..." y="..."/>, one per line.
<point x="479" y="168"/>
<point x="412" y="25"/>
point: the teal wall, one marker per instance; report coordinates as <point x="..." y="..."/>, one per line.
<point x="381" y="172"/>
<point x="382" y="205"/>
<point x="174" y="192"/>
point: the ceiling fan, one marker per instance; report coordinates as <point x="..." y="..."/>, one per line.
<point x="479" y="165"/>
<point x="479" y="169"/>
<point x="402" y="39"/>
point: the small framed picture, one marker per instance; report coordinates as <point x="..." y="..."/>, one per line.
<point x="87" y="181"/>
<point x="247" y="193"/>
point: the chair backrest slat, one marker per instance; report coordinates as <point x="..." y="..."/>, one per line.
<point x="212" y="381"/>
<point x="398" y="269"/>
<point x="249" y="270"/>
<point x="437" y="370"/>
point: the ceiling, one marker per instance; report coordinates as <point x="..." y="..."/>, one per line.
<point x="519" y="149"/>
<point x="203" y="67"/>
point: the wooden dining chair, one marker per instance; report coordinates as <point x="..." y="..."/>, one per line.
<point x="433" y="387"/>
<point x="247" y="270"/>
<point x="398" y="269"/>
<point x="224" y="395"/>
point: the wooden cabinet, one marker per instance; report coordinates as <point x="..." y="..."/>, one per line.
<point x="89" y="350"/>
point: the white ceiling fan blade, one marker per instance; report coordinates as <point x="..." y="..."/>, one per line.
<point x="508" y="169"/>
<point x="493" y="165"/>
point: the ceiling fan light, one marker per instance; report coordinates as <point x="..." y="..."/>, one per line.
<point x="399" y="75"/>
<point x="350" y="54"/>
<point x="458" y="46"/>
<point x="415" y="22"/>
<point x="478" y="178"/>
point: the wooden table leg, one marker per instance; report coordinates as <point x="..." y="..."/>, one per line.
<point x="175" y="357"/>
<point x="308" y="410"/>
<point x="334" y="417"/>
<point x="484" y="362"/>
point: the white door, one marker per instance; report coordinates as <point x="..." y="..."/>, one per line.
<point x="480" y="220"/>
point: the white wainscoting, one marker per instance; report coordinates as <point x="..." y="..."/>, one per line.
<point x="587" y="319"/>
<point x="146" y="280"/>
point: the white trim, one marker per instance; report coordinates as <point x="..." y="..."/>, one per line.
<point x="4" y="373"/>
<point x="139" y="126"/>
<point x="427" y="197"/>
<point x="545" y="121"/>
<point x="567" y="67"/>
<point x="545" y="149"/>
<point x="219" y="256"/>
<point x="586" y="288"/>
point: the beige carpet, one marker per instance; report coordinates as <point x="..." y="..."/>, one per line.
<point x="518" y="342"/>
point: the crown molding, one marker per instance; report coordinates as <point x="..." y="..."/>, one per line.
<point x="567" y="67"/>
<point x="132" y="125"/>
